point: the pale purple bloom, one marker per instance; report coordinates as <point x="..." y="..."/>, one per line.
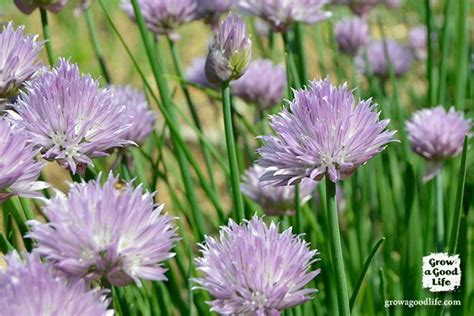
<point x="196" y="74"/>
<point x="263" y="84"/>
<point x="358" y="7"/>
<point x="211" y="10"/>
<point x="19" y="169"/>
<point x="363" y="7"/>
<point x="398" y="55"/>
<point x="417" y="38"/>
<point x="436" y="135"/>
<point x="112" y="231"/>
<point x="28" y="6"/>
<point x="30" y="288"/>
<point x="138" y="116"/>
<point x="70" y="117"/>
<point x="252" y="269"/>
<point x="18" y="60"/>
<point x="230" y="51"/>
<point x="163" y="17"/>
<point x="351" y="35"/>
<point x="324" y="132"/>
<point x="282" y="13"/>
<point x="274" y="200"/>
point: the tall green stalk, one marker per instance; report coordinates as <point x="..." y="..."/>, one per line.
<point x="336" y="248"/>
<point x="443" y="64"/>
<point x="430" y="69"/>
<point x="300" y="52"/>
<point x="167" y="102"/>
<point x="47" y="35"/>
<point x="232" y="154"/>
<point x="456" y="219"/>
<point x="192" y="109"/>
<point x="462" y="50"/>
<point x="439" y="213"/>
<point x="96" y="44"/>
<point x="298" y="216"/>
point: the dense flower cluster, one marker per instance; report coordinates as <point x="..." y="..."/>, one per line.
<point x="70" y="117"/>
<point x="18" y="60"/>
<point x="18" y="167"/>
<point x="382" y="54"/>
<point x="230" y="51"/>
<point x="31" y="288"/>
<point x="28" y="6"/>
<point x="325" y="132"/>
<point x="110" y="230"/>
<point x="163" y="17"/>
<point x="282" y="13"/>
<point x="274" y="200"/>
<point x="138" y="116"/>
<point x="252" y="269"/>
<point x="351" y="35"/>
<point x="263" y="84"/>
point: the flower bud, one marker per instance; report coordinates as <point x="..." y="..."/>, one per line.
<point x="230" y="51"/>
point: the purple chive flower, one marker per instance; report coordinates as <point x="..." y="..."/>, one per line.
<point x="140" y="119"/>
<point x="437" y="135"/>
<point x="417" y="39"/>
<point x="18" y="167"/>
<point x="110" y="230"/>
<point x="325" y="132"/>
<point x="263" y="84"/>
<point x="282" y="13"/>
<point x="252" y="269"/>
<point x="163" y="17"/>
<point x="70" y="117"/>
<point x="211" y="10"/>
<point x="18" y="60"/>
<point x="274" y="200"/>
<point x="28" y="6"/>
<point x="399" y="56"/>
<point x="196" y="74"/>
<point x="230" y="51"/>
<point x="351" y="35"/>
<point x="31" y="288"/>
<point x="359" y="7"/>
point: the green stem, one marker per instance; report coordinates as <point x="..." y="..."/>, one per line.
<point x="439" y="213"/>
<point x="292" y="76"/>
<point x="167" y="103"/>
<point x="383" y="291"/>
<point x="96" y="44"/>
<point x="336" y="248"/>
<point x="300" y="52"/>
<point x="364" y="272"/>
<point x="443" y="65"/>
<point x="47" y="36"/>
<point x="454" y="236"/>
<point x="298" y="222"/>
<point x="462" y="50"/>
<point x="232" y="154"/>
<point x="192" y="109"/>
<point x="429" y="61"/>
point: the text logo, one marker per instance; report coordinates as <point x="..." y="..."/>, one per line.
<point x="441" y="272"/>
